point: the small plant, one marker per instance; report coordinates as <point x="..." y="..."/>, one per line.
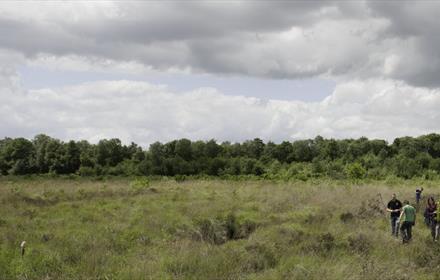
<point x="326" y="242"/>
<point x="211" y="231"/>
<point x="346" y="217"/>
<point x="221" y="230"/>
<point x="139" y="185"/>
<point x="180" y="178"/>
<point x="263" y="257"/>
<point x="82" y="193"/>
<point x="359" y="243"/>
<point x="86" y="171"/>
<point x="16" y="190"/>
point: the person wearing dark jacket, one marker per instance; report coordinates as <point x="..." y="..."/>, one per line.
<point x="394" y="206"/>
<point x="418" y="195"/>
<point x="430" y="216"/>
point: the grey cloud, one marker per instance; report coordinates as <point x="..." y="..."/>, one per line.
<point x="415" y="24"/>
<point x="157" y="21"/>
<point x="348" y="39"/>
<point x="196" y="35"/>
<point x="408" y="18"/>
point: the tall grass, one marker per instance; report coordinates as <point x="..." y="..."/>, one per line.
<point x="208" y="229"/>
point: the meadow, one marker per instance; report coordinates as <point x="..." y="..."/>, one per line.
<point x="134" y="228"/>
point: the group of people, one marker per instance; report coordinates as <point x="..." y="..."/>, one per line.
<point x="403" y="216"/>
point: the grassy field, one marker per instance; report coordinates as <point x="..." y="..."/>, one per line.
<point x="207" y="229"/>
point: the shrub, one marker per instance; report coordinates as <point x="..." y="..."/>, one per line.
<point x="211" y="231"/>
<point x="346" y="217"/>
<point x="140" y="184"/>
<point x="86" y="171"/>
<point x="355" y="171"/>
<point x="220" y="230"/>
<point x="359" y="243"/>
<point x="179" y="178"/>
<point x="326" y="242"/>
<point x="263" y="257"/>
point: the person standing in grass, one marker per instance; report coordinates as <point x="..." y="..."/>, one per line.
<point x="418" y="195"/>
<point x="431" y="217"/>
<point x="429" y="214"/>
<point x="394" y="207"/>
<point x="435" y="227"/>
<point x="407" y="220"/>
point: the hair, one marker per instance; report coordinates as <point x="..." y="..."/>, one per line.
<point x="431" y="201"/>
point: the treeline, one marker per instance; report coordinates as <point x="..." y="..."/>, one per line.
<point x="406" y="157"/>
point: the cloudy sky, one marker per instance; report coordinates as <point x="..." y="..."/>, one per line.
<point x="229" y="70"/>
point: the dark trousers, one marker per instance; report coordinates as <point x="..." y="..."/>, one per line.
<point x="394" y="226"/>
<point x="406" y="229"/>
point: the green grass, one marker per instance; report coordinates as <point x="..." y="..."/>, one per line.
<point x="207" y="229"/>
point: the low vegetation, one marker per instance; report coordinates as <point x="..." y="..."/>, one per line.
<point x="125" y="228"/>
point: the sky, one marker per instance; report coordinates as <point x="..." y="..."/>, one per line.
<point x="147" y="71"/>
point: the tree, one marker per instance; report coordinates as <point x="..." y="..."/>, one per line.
<point x="406" y="167"/>
<point x="183" y="149"/>
<point x="269" y="152"/>
<point x="72" y="157"/>
<point x="254" y="148"/>
<point x="212" y="149"/>
<point x="330" y="149"/>
<point x="198" y="149"/>
<point x="4" y="164"/>
<point x="215" y="166"/>
<point x="284" y="152"/>
<point x="87" y="156"/>
<point x="41" y="142"/>
<point x="303" y="150"/>
<point x="109" y="152"/>
<point x="19" y="156"/>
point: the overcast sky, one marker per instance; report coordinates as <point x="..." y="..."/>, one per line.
<point x="228" y="70"/>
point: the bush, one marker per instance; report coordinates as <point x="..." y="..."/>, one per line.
<point x="140" y="184"/>
<point x="405" y="167"/>
<point x="211" y="231"/>
<point x="359" y="243"/>
<point x="355" y="171"/>
<point x="291" y="235"/>
<point x="326" y="242"/>
<point x="180" y="178"/>
<point x="86" y="171"/>
<point x="220" y="230"/>
<point x="430" y="175"/>
<point x="346" y="217"/>
<point x="263" y="257"/>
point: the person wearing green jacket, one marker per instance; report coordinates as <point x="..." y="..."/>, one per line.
<point x="407" y="221"/>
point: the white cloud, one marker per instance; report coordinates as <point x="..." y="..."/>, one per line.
<point x="144" y="113"/>
<point x="86" y="64"/>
